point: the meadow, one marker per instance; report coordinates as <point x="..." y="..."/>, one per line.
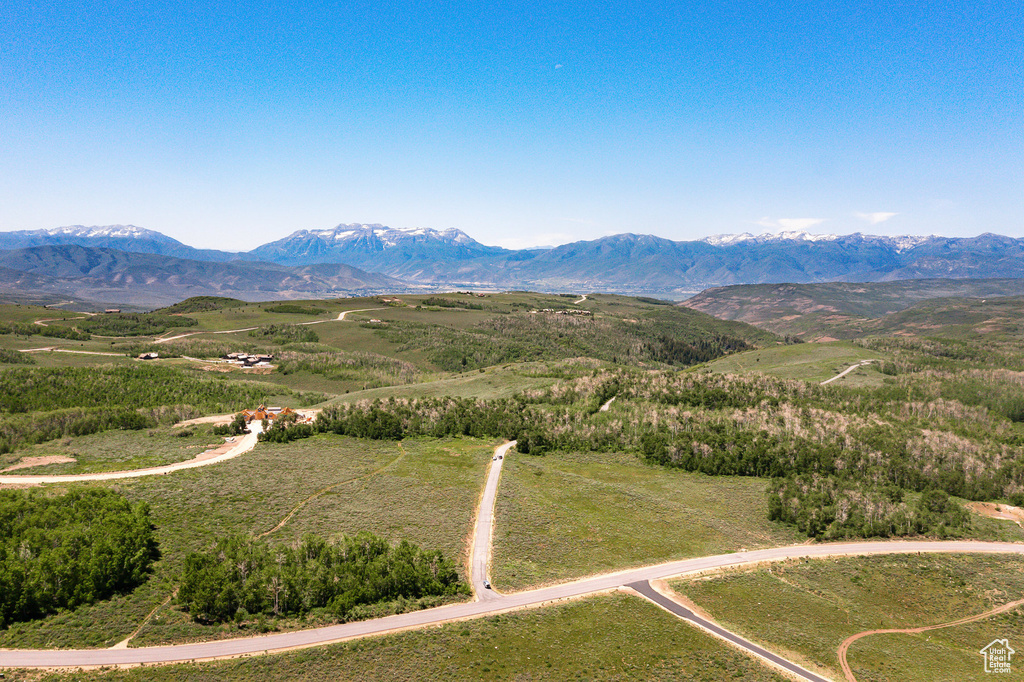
<point x="690" y="459"/>
<point x="424" y="491"/>
<point x="568" y="515"/>
<point x="612" y="637"/>
<point x="805" y="609"/>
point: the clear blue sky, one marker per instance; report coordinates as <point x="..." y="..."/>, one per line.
<point x="520" y="123"/>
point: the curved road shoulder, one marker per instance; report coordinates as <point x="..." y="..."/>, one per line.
<point x="34" y="658"/>
<point x="244" y="444"/>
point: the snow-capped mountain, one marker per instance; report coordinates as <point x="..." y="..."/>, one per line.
<point x="128" y="238"/>
<point x="768" y="237"/>
<point x="900" y="243"/>
<point x="626" y="263"/>
<point x="375" y="246"/>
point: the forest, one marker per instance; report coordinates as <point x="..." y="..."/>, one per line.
<point x="841" y="451"/>
<point x="239" y="577"/>
<point x="59" y="552"/>
<point x="40" y="404"/>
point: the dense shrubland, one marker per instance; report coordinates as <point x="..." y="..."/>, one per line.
<point x="198" y="304"/>
<point x="656" y="338"/>
<point x="59" y="552"/>
<point x="39" y="404"/>
<point x="369" y="368"/>
<point x="842" y="452"/>
<point x="13" y="357"/>
<point x="53" y="331"/>
<point x="241" y="577"/>
<point x="39" y="389"/>
<point x="295" y="309"/>
<point x="135" y="324"/>
<point x="282" y="334"/>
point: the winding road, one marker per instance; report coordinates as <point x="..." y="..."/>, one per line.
<point x="488" y="601"/>
<point x="243" y="445"/>
<point x="34" y="658"/>
<point x="339" y="318"/>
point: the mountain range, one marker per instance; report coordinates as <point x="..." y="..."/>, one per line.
<point x="148" y="280"/>
<point x="380" y="257"/>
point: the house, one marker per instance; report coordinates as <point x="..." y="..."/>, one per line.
<point x="246" y="360"/>
<point x="112" y="310"/>
<point x="263" y="412"/>
<point x="997" y="656"/>
<point x="149" y="356"/>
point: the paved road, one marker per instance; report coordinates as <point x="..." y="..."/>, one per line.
<point x="846" y="371"/>
<point x="28" y="658"/>
<point x="243" y="445"/>
<point x="645" y="589"/>
<point x="479" y="561"/>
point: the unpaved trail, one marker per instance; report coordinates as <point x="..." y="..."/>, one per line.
<point x="583" y="297"/>
<point x="55" y="349"/>
<point x="845" y="646"/>
<point x="846" y="371"/>
<point x="604" y="408"/>
<point x="221" y="454"/>
<point x="322" y="491"/>
<point x="123" y="644"/>
<point x="339" y="318"/>
<point x="29" y="462"/>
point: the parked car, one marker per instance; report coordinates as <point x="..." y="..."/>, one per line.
<point x="487" y="584"/>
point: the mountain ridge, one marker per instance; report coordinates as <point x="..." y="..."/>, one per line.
<point x="626" y="263"/>
<point x="145" y="279"/>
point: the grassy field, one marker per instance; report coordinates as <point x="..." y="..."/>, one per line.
<point x="562" y="516"/>
<point x="805" y="609"/>
<point x="489" y="384"/>
<point x="805" y="361"/>
<point x="423" y="491"/>
<point x="117" y="450"/>
<point x="613" y="637"/>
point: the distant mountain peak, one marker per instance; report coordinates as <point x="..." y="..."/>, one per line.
<point x="96" y="231"/>
<point x="388" y="236"/>
<point x="768" y="237"/>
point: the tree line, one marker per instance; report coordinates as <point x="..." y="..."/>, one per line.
<point x="239" y="577"/>
<point x="59" y="552"/>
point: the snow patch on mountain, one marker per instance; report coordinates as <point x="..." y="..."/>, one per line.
<point x="897" y="243"/>
<point x="768" y="237"/>
<point x="99" y="231"/>
<point x="389" y="237"/>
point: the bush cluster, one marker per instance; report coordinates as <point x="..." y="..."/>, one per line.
<point x="62" y="552"/>
<point x="239" y="577"/>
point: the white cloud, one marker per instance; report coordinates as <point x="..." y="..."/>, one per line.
<point x="790" y="223"/>
<point x="875" y="218"/>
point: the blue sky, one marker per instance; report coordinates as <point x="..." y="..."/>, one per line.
<point x="519" y="123"/>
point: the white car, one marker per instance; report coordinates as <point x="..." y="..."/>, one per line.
<point x="487" y="584"/>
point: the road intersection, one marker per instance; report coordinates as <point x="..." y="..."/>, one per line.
<point x="490" y="602"/>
